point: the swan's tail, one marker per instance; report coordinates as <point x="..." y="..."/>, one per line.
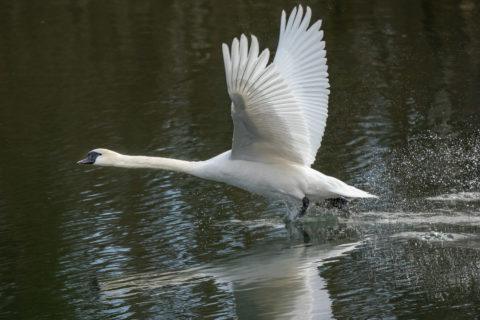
<point x="340" y="188"/>
<point x="352" y="192"/>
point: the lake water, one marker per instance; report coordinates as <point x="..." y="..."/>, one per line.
<point x="146" y="77"/>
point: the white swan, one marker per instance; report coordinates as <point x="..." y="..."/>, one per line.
<point x="279" y="112"/>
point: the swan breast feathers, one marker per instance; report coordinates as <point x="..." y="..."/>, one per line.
<point x="273" y="180"/>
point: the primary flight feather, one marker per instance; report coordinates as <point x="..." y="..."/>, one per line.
<point x="279" y="111"/>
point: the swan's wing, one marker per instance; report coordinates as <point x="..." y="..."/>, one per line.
<point x="270" y="122"/>
<point x="300" y="60"/>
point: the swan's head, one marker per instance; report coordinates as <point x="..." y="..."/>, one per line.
<point x="100" y="157"/>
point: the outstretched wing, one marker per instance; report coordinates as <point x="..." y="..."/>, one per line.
<point x="271" y="111"/>
<point x="301" y="61"/>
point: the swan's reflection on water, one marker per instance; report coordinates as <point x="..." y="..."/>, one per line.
<point x="375" y="263"/>
<point x="270" y="281"/>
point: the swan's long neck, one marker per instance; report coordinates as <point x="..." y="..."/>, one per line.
<point x="126" y="161"/>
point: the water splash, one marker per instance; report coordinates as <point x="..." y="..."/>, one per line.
<point x="428" y="167"/>
<point x="461" y="196"/>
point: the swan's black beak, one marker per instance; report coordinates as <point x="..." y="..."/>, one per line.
<point x="85" y="161"/>
<point x="90" y="159"/>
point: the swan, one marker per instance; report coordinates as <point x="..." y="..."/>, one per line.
<point x="279" y="111"/>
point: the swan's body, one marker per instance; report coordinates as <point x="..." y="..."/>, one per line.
<point x="279" y="113"/>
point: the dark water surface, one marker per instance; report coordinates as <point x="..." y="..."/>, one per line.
<point x="146" y="77"/>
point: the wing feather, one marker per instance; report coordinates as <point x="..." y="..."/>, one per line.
<point x="279" y="110"/>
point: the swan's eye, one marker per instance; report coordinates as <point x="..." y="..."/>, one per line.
<point x="94" y="154"/>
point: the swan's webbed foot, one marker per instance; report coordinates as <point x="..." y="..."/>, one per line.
<point x="305" y="203"/>
<point x="339" y="203"/>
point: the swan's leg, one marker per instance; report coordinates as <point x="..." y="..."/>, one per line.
<point x="339" y="203"/>
<point x="305" y="203"/>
